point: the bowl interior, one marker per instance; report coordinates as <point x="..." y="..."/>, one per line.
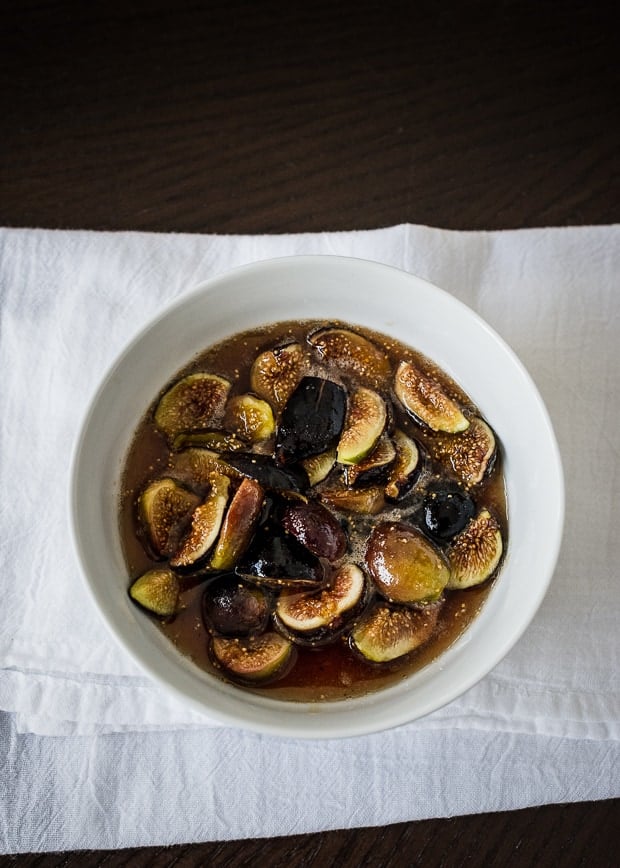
<point x="389" y="301"/>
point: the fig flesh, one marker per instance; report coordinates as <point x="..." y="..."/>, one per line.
<point x="374" y="468"/>
<point x="255" y="659"/>
<point x="366" y="418"/>
<point x="315" y="528"/>
<point x="249" y="418"/>
<point x="306" y="613"/>
<point x="404" y="565"/>
<point x="276" y="373"/>
<point x="405" y="469"/>
<point x="196" y="466"/>
<point x="476" y="552"/>
<point x="427" y="401"/>
<point x="311" y="420"/>
<point x="165" y="507"/>
<point x="318" y="467"/>
<point x="351" y="353"/>
<point x="471" y="454"/>
<point x="363" y="501"/>
<point x="387" y="633"/>
<point x="238" y="525"/>
<point x="158" y="591"/>
<point x="205" y="525"/>
<point x="213" y="439"/>
<point x="232" y="607"/>
<point x="196" y="401"/>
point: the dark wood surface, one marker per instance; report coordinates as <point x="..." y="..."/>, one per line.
<point x="272" y="117"/>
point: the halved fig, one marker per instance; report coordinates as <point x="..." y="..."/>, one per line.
<point x="405" y="468"/>
<point x="255" y="659"/>
<point x="196" y="466"/>
<point x="470" y="454"/>
<point x="404" y="565"/>
<point x="276" y="559"/>
<point x="427" y="401"/>
<point x="213" y="439"/>
<point x="238" y="526"/>
<point x="306" y="613"/>
<point x="318" y="467"/>
<point x="476" y="552"/>
<point x="250" y="418"/>
<point x="445" y="512"/>
<point x="366" y="418"/>
<point x="311" y="420"/>
<point x="387" y="633"/>
<point x="205" y="524"/>
<point x="275" y="373"/>
<point x="232" y="607"/>
<point x="364" y="501"/>
<point x="196" y="401"/>
<point x="270" y="475"/>
<point x="165" y="508"/>
<point x="158" y="591"/>
<point x="374" y="467"/>
<point x="316" y="528"/>
<point x="352" y="353"/>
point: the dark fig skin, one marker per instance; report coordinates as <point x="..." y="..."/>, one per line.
<point x="277" y="559"/>
<point x="316" y="528"/>
<point x="445" y="513"/>
<point x="264" y="469"/>
<point x="233" y="607"/>
<point x="312" y="420"/>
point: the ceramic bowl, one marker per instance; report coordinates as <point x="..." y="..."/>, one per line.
<point x="387" y="300"/>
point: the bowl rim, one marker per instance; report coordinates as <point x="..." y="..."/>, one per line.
<point x="300" y="725"/>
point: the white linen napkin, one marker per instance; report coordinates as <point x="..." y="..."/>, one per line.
<point x="71" y="300"/>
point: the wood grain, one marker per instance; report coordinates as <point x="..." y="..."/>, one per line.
<point x="271" y="117"/>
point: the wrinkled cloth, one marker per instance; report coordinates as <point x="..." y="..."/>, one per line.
<point x="75" y="704"/>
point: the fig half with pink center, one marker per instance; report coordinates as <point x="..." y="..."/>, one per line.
<point x="307" y="612"/>
<point x="404" y="565"/>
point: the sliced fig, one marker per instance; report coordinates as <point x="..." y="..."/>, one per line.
<point x="387" y="633"/>
<point x="276" y="559"/>
<point x="276" y="373"/>
<point x="196" y="401"/>
<point x="311" y="420"/>
<point x="318" y="467"/>
<point x="238" y="526"/>
<point x="352" y="353"/>
<point x="445" y="512"/>
<point x="427" y="401"/>
<point x="255" y="659"/>
<point x="205" y="525"/>
<point x="158" y="591"/>
<point x="232" y="607"/>
<point x="405" y="468"/>
<point x="404" y="565"/>
<point x="250" y="418"/>
<point x="374" y="468"/>
<point x="476" y="552"/>
<point x="306" y="613"/>
<point x="196" y="466"/>
<point x="470" y="454"/>
<point x="213" y="439"/>
<point x="316" y="528"/>
<point x="364" y="501"/>
<point x="366" y="418"/>
<point x="165" y="508"/>
<point x="270" y="475"/>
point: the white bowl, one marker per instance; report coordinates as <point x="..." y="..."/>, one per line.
<point x="389" y="301"/>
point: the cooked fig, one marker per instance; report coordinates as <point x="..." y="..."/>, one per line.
<point x="196" y="401"/>
<point x="318" y="467"/>
<point x="214" y="439"/>
<point x="264" y="469"/>
<point x="475" y="552"/>
<point x="445" y="512"/>
<point x="470" y="454"/>
<point x="276" y="559"/>
<point x="374" y="467"/>
<point x="427" y="401"/>
<point x="165" y="507"/>
<point x="196" y="466"/>
<point x="238" y="526"/>
<point x="250" y="418"/>
<point x="404" y="565"/>
<point x="275" y="373"/>
<point x="366" y="418"/>
<point x="365" y="501"/>
<point x="351" y="353"/>
<point x="256" y="659"/>
<point x="158" y="591"/>
<point x="316" y="528"/>
<point x="387" y="633"/>
<point x="311" y="420"/>
<point x="313" y="611"/>
<point x="205" y="526"/>
<point x="233" y="607"/>
<point x="405" y="468"/>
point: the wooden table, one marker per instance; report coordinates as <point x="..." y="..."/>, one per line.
<point x="265" y="117"/>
